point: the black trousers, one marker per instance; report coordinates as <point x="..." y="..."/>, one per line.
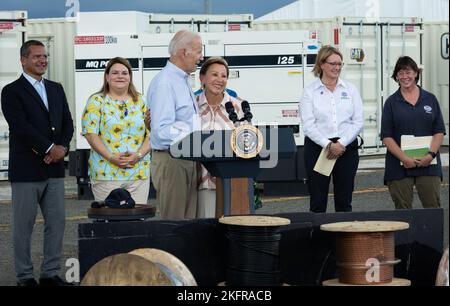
<point x="343" y="174"/>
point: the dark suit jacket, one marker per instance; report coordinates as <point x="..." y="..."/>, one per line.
<point x="32" y="129"/>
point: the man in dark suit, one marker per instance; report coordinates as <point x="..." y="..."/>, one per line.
<point x="41" y="128"/>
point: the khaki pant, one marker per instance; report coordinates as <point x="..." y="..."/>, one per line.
<point x="206" y="203"/>
<point x="175" y="181"/>
<point x="138" y="189"/>
<point x="428" y="189"/>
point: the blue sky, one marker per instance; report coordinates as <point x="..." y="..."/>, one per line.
<point x="58" y="8"/>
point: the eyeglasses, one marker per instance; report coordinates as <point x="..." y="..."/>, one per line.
<point x="340" y="65"/>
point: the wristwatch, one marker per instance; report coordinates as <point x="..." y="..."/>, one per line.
<point x="432" y="154"/>
<point x="139" y="154"/>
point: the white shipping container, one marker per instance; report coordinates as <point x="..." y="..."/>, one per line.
<point x="167" y="23"/>
<point x="132" y="22"/>
<point x="57" y="34"/>
<point x="436" y="65"/>
<point x="12" y="34"/>
<point x="272" y="59"/>
<point x="370" y="49"/>
<point x="429" y="10"/>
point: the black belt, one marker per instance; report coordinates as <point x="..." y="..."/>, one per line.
<point x="165" y="150"/>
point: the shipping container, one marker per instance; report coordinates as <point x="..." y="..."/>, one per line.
<point x="57" y="34"/>
<point x="436" y="64"/>
<point x="12" y="35"/>
<point x="429" y="10"/>
<point x="132" y="22"/>
<point x="275" y="60"/>
<point x="371" y="48"/>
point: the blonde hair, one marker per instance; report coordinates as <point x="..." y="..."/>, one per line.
<point x="131" y="89"/>
<point x="324" y="53"/>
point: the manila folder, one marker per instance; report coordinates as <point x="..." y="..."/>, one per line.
<point x="324" y="165"/>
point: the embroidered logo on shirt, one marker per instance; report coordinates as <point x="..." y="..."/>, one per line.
<point x="427" y="109"/>
<point x="344" y="96"/>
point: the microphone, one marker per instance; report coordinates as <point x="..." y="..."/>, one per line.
<point x="246" y="110"/>
<point x="231" y="113"/>
<point x="245" y="106"/>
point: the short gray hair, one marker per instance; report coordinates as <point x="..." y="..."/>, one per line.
<point x="182" y="40"/>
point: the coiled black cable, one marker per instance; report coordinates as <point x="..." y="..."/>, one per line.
<point x="253" y="256"/>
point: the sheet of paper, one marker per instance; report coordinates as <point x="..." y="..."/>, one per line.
<point x="416" y="147"/>
<point x="324" y="165"/>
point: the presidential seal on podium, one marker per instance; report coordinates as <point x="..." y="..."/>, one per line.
<point x="246" y="141"/>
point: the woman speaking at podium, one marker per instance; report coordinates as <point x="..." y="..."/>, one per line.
<point x="211" y="99"/>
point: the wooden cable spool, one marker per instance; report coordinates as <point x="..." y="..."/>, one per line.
<point x="139" y="212"/>
<point x="125" y="270"/>
<point x="141" y="267"/>
<point x="442" y="274"/>
<point x="366" y="247"/>
<point x="253" y="250"/>
<point x="172" y="266"/>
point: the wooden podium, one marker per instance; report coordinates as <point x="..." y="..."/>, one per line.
<point x="234" y="174"/>
<point x="234" y="196"/>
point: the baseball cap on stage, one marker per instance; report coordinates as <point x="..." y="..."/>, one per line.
<point x="119" y="198"/>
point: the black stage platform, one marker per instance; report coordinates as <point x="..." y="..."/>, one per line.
<point x="306" y="253"/>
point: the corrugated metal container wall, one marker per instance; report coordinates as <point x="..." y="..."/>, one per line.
<point x="429" y="10"/>
<point x="132" y="22"/>
<point x="58" y="35"/>
<point x="166" y="23"/>
<point x="325" y="26"/>
<point x="436" y="65"/>
<point x="436" y="68"/>
<point x="12" y="33"/>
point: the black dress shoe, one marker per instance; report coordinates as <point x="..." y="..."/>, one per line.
<point x="52" y="281"/>
<point x="27" y="282"/>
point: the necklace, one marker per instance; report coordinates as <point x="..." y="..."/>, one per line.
<point x="123" y="104"/>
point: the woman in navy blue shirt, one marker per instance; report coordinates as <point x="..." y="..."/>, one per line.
<point x="412" y="111"/>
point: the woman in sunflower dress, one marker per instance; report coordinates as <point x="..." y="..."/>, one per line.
<point x="113" y="124"/>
